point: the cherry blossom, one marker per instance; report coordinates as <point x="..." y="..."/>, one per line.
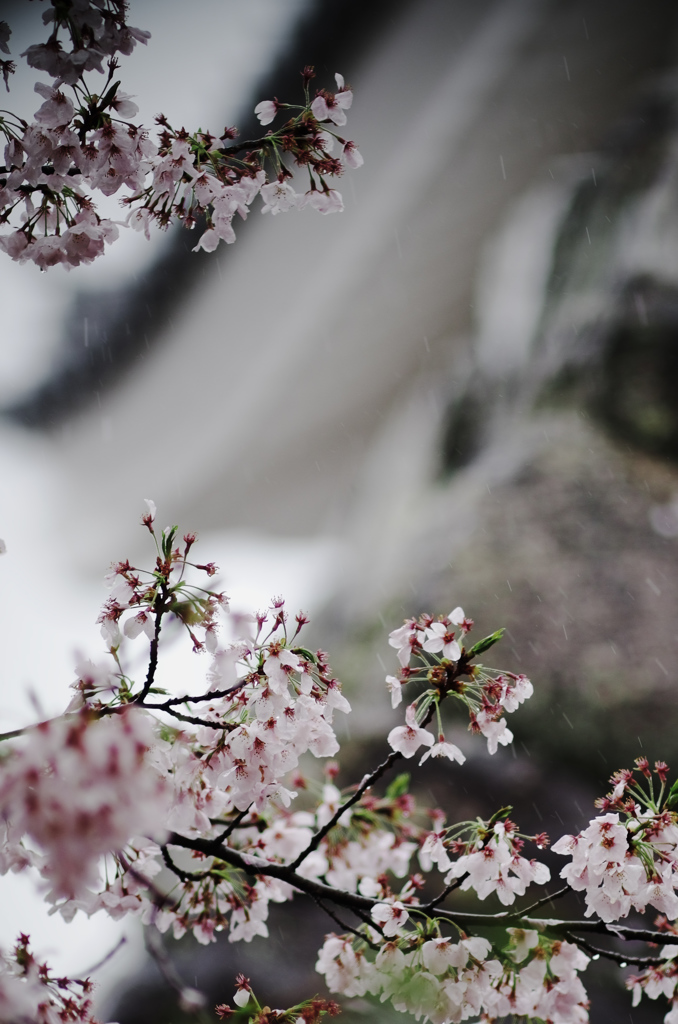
<point x="324" y="201"/>
<point x="352" y="155"/>
<point x="332" y="106"/>
<point x="109" y="802"/>
<point x="278" y="197"/>
<point x="440" y="639"/>
<point x="391" y="916"/>
<point x="82" y="142"/>
<point x="81" y="788"/>
<point x="494" y="730"/>
<point x="266" y="111"/>
<point x="444" y="749"/>
<point x="408" y="738"/>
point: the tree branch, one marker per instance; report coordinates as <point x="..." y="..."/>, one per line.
<point x="345" y="927"/>
<point x="232" y="826"/>
<point x="362" y="905"/>
<point x="212" y="695"/>
<point x="542" y="902"/>
<point x="426" y="907"/>
<point x="619" y="958"/>
<point x="599" y="927"/>
<point x="153" y="660"/>
<point x="368" y="781"/>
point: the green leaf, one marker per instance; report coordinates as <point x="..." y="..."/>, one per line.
<point x="484" y="645"/>
<point x="303" y="652"/>
<point x="168" y="540"/>
<point x="672" y="798"/>
<point x="399" y="786"/>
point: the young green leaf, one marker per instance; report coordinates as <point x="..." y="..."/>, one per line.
<point x="486" y="643"/>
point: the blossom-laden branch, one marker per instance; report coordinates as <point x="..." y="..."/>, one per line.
<point x="30" y="992"/>
<point x="125" y="781"/>
<point x="83" y="141"/>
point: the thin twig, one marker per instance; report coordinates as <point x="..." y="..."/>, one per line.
<point x="427" y="907"/>
<point x="185" y="876"/>
<point x="600" y="928"/>
<point x="368" y="781"/>
<point x="638" y="961"/>
<point x="345" y="927"/>
<point x="193" y="720"/>
<point x="232" y="826"/>
<point x="153" y="658"/>
<point x="187" y="699"/>
<point x="541" y="902"/>
<point x="191" y="1000"/>
<point x="109" y="956"/>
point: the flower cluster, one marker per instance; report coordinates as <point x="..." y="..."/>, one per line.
<point x="79" y="788"/>
<point x="430" y="652"/>
<point x="83" y="138"/>
<point x="248" y="1008"/>
<point x="205" y="806"/>
<point x="30" y="994"/>
<point x="490" y="860"/>
<point x="620" y="864"/>
<point x="659" y="980"/>
<point x="447" y="981"/>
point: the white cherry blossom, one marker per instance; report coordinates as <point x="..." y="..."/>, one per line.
<point x="408" y="738"/>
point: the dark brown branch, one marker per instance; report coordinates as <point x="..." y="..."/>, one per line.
<point x="599" y="928"/>
<point x="540" y="903"/>
<point x="185" y="876"/>
<point x="194" y="720"/>
<point x="232" y="826"/>
<point x="252" y="865"/>
<point x="345" y="927"/>
<point x="362" y="905"/>
<point x="619" y="958"/>
<point x="267" y="140"/>
<point x="212" y="695"/>
<point x="153" y="659"/>
<point x="427" y="907"/>
<point x="367" y="782"/>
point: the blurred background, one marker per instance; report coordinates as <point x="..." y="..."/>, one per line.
<point x="463" y="390"/>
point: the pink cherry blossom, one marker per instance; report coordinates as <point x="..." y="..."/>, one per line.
<point x="395" y="689"/>
<point x="82" y="788"/>
<point x="329" y="201"/>
<point x="443" y="749"/>
<point x="408" y="738"/>
<point x="327" y="106"/>
<point x="352" y="155"/>
<point x="404" y="639"/>
<point x="391" y="916"/>
<point x="266" y="111"/>
<point x="440" y="639"/>
<point x="494" y="730"/>
<point x="57" y="110"/>
<point x="278" y="197"/>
